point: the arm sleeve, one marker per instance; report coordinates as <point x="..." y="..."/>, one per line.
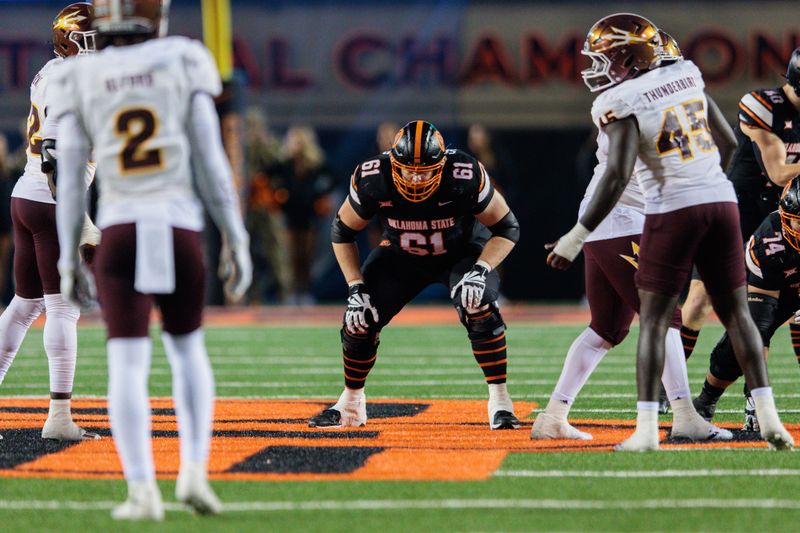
<point x="755" y="111"/>
<point x="213" y="176"/>
<point x="361" y="203"/>
<point x="71" y="206"/>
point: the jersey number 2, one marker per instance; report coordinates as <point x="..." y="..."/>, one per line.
<point x="136" y="127"/>
<point x="673" y="136"/>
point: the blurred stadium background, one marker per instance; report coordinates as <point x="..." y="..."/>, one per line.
<point x="342" y="68"/>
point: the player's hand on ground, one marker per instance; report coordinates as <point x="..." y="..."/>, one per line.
<point x="236" y="269"/>
<point x="78" y="288"/>
<point x="359" y="304"/>
<point x="472" y="286"/>
<point x="554" y="260"/>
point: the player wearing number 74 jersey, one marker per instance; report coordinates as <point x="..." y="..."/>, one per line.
<point x="432" y="204"/>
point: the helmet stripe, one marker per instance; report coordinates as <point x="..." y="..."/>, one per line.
<point x="418" y="142"/>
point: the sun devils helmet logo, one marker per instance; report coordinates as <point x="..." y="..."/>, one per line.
<point x="418" y="149"/>
<point x="789" y="210"/>
<point x="621" y="46"/>
<point x="72" y="30"/>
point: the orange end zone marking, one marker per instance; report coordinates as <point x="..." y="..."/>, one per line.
<point x="268" y="440"/>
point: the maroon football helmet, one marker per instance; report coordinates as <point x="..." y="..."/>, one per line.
<point x="72" y="30"/>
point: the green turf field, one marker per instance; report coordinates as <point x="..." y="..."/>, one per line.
<point x="706" y="490"/>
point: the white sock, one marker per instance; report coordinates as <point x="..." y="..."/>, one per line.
<point x="14" y="324"/>
<point x="61" y="341"/>
<point x="60" y="409"/>
<point x="647" y="416"/>
<point x="585" y="353"/>
<point x="675" y="377"/>
<point x="499" y="399"/>
<point x="193" y="393"/>
<point x="129" y="405"/>
<point x="347" y="396"/>
<point x="558" y="408"/>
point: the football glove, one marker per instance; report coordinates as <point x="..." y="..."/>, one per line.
<point x="358" y="304"/>
<point x="472" y="286"/>
<point x="236" y="269"/>
<point x="77" y="286"/>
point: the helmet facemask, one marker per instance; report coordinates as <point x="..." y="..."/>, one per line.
<point x="84" y="40"/>
<point x="597" y="77"/>
<point x="416" y="189"/>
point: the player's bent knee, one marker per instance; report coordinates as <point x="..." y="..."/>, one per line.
<point x="723" y="365"/>
<point x="483" y="324"/>
<point x="611" y="336"/>
<point x="360" y="346"/>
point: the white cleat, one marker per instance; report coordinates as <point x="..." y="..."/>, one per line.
<point x="640" y="441"/>
<point x="66" y="429"/>
<point x="695" y="428"/>
<point x="143" y="503"/>
<point x="193" y="489"/>
<point x="354" y="414"/>
<point x="547" y="426"/>
<point x="778" y="438"/>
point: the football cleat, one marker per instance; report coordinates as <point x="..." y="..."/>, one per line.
<point x="143" y="503"/>
<point x="352" y="414"/>
<point x="699" y="430"/>
<point x="547" y="426"/>
<point x="504" y="420"/>
<point x="641" y="441"/>
<point x="704" y="408"/>
<point x="328" y="418"/>
<point x="663" y="402"/>
<point x="192" y="488"/>
<point x="750" y="416"/>
<point x="65" y="429"/>
<point x="778" y="438"/>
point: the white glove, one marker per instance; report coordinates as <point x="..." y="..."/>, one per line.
<point x="90" y="234"/>
<point x="77" y="287"/>
<point x="797" y="317"/>
<point x="236" y="269"/>
<point x="472" y="286"/>
<point x="358" y="303"/>
<point x="570" y="244"/>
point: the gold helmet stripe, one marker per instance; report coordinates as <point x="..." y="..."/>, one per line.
<point x="418" y="143"/>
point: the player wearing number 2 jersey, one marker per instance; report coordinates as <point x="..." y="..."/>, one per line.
<point x="658" y="113"/>
<point x="431" y="203"/>
<point x="146" y="106"/>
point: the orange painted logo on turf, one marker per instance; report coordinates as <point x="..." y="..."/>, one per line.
<point x="270" y="440"/>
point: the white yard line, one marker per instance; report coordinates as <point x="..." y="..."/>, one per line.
<point x="449" y="504"/>
<point x="772" y="472"/>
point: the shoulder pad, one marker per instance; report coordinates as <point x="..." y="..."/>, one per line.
<point x="755" y="109"/>
<point x="200" y="67"/>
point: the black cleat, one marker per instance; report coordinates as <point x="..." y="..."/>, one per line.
<point x="663" y="402"/>
<point x="328" y="418"/>
<point x="704" y="408"/>
<point x="504" y="420"/>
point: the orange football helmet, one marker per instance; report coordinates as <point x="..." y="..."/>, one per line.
<point x="72" y="30"/>
<point x="789" y="210"/>
<point x="621" y="46"/>
<point x="128" y="17"/>
<point x="419" y="150"/>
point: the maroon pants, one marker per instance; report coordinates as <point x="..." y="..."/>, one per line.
<point x="705" y="235"/>
<point x="126" y="311"/>
<point x="35" y="248"/>
<point x="610" y="287"/>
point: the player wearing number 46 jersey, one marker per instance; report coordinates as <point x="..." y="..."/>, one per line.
<point x="431" y="203"/>
<point x="146" y="106"/>
<point x="658" y="118"/>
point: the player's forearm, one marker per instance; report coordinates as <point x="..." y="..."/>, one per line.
<point x="349" y="261"/>
<point x="781" y="173"/>
<point x="603" y="200"/>
<point x="71" y="189"/>
<point x="495" y="251"/>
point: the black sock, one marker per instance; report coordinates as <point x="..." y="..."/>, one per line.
<point x="710" y="394"/>
<point x="689" y="339"/>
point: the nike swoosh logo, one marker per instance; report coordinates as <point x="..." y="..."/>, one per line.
<point x="445" y="203"/>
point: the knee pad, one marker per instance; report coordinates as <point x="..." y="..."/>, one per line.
<point x="360" y="346"/>
<point x="723" y="361"/>
<point x="484" y="324"/>
<point x="57" y="306"/>
<point x="26" y="310"/>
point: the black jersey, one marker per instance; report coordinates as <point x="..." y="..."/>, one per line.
<point x="442" y="224"/>
<point x="772" y="263"/>
<point x="771" y="110"/>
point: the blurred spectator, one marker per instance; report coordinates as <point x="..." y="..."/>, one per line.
<point x="496" y="161"/>
<point x="271" y="276"/>
<point x="302" y="185"/>
<point x="10" y="169"/>
<point x="385" y="134"/>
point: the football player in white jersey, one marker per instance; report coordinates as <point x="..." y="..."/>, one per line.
<point x="659" y="114"/>
<point x="33" y="213"/>
<point x="145" y="105"/>
<point x="611" y="253"/>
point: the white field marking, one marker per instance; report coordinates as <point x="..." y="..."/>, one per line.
<point x="720" y="411"/>
<point x="449" y="504"/>
<point x="772" y="472"/>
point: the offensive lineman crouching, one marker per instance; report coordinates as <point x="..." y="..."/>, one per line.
<point x="428" y="199"/>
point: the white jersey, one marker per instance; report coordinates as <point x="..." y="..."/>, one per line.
<point x="680" y="161"/>
<point x="134" y="103"/>
<point x="627" y="217"/>
<point x="41" y="125"/>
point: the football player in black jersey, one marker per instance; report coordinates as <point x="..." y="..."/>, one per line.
<point x="766" y="159"/>
<point x="432" y="203"/>
<point x="773" y="294"/>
